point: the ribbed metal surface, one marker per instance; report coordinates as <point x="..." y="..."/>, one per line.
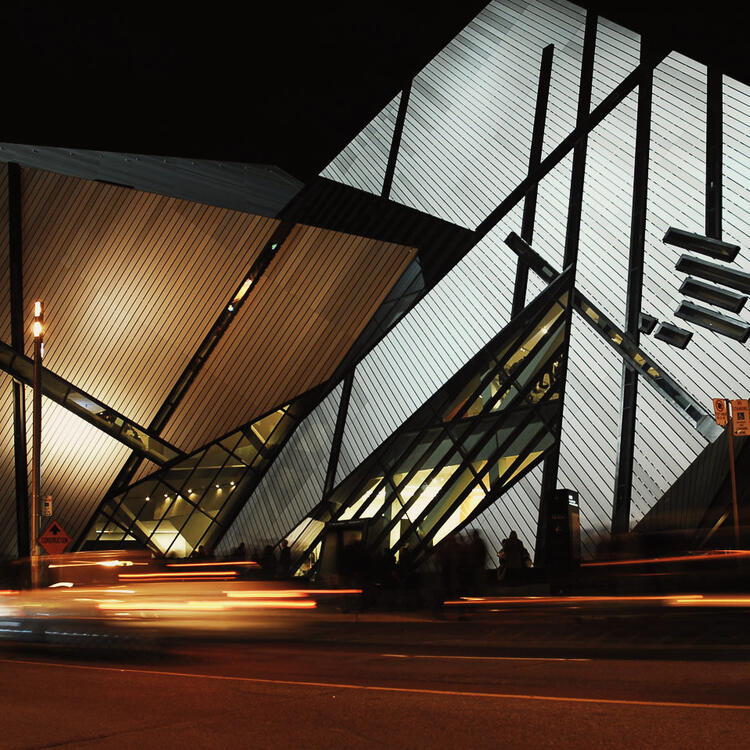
<point x="292" y="486"/>
<point x="131" y="282"/>
<point x="251" y="188"/>
<point x="465" y="145"/>
<point x="462" y="313"/>
<point x="7" y="479"/>
<point x="362" y="163"/>
<point x="309" y="307"/>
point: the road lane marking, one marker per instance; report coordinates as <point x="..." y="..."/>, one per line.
<point x="383" y="688"/>
<point x="483" y="658"/>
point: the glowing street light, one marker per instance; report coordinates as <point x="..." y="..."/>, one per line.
<point x="36" y="474"/>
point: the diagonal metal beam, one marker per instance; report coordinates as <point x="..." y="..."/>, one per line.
<point x="689" y="407"/>
<point x="581" y="131"/>
<point x="142" y="441"/>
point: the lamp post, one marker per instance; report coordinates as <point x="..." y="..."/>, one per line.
<point x="36" y="473"/>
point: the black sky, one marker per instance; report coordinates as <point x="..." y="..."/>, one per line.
<point x="287" y="84"/>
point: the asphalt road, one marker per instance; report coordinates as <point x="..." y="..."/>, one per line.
<point x="286" y="695"/>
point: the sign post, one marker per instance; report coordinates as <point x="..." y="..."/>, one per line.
<point x="736" y="422"/>
<point x="36" y="456"/>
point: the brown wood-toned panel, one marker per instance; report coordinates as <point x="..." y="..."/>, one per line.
<point x="131" y="282"/>
<point x="306" y="311"/>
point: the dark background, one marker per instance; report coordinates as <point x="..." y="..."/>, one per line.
<point x="284" y="83"/>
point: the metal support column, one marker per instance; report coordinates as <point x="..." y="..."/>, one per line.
<point x="390" y="168"/>
<point x="15" y="238"/>
<point x="572" y="234"/>
<point x="338" y="434"/>
<point x="629" y="390"/>
<point x="535" y="159"/>
<point x="714" y="148"/>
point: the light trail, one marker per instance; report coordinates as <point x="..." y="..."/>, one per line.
<point x="387" y="688"/>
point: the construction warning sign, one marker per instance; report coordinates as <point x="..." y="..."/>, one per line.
<point x="53" y="539"/>
<point x="740" y="416"/>
<point x="720" y="411"/>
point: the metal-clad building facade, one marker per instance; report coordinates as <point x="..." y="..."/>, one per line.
<point x="465" y="146"/>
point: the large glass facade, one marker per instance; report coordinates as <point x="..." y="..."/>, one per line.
<point x="191" y="502"/>
<point x="481" y="432"/>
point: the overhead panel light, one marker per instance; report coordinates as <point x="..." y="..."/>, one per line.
<point x="697" y="243"/>
<point x="714" y="295"/>
<point x="246" y="284"/>
<point x="734" y="328"/>
<point x="673" y="335"/>
<point x="714" y="272"/>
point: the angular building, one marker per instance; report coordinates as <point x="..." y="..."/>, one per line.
<point x="526" y="273"/>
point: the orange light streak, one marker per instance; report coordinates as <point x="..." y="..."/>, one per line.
<point x="261" y="594"/>
<point x="710" y="601"/>
<point x="568" y="599"/>
<point x="715" y="555"/>
<point x="213" y="605"/>
<point x="243" y="563"/>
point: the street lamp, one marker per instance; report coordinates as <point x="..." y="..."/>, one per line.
<point x="36" y="473"/>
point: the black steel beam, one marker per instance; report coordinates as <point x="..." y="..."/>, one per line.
<point x="88" y="408"/>
<point x="15" y="252"/>
<point x="396" y="141"/>
<point x="338" y="434"/>
<point x="572" y="236"/>
<point x="667" y="387"/>
<point x="535" y="158"/>
<point x="633" y="301"/>
<point x="580" y="132"/>
<point x="714" y="148"/>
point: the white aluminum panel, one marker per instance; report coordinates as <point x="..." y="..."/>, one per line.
<point x="465" y="146"/>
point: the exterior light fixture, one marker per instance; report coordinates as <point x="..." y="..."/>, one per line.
<point x="246" y="284"/>
<point x="231" y="308"/>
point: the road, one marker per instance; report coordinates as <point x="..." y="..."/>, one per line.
<point x="277" y="694"/>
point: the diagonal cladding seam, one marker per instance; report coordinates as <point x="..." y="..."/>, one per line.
<point x="106" y="419"/>
<point x="666" y="386"/>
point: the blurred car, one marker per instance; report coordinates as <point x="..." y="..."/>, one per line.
<point x="125" y="598"/>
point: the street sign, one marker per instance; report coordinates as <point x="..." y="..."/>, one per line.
<point x="720" y="412"/>
<point x="740" y="416"/>
<point x="47" y="506"/>
<point x="54" y="540"/>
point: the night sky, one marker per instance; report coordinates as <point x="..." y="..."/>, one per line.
<point x="283" y="84"/>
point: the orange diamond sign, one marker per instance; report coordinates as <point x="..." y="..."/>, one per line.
<point x="54" y="539"/>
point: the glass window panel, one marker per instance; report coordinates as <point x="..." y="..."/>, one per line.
<point x="535" y="365"/>
<point x="214" y="458"/>
<point x="423" y="454"/>
<point x="246" y="449"/>
<point x="541" y="330"/>
<point x="112" y="533"/>
<point x="230" y="442"/>
<point x="451" y="489"/>
<point x="461" y="514"/>
<point x="194" y="529"/>
<point x="263" y="428"/>
<point x="215" y="497"/>
<point x="422" y="488"/>
<point x="97" y="527"/>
